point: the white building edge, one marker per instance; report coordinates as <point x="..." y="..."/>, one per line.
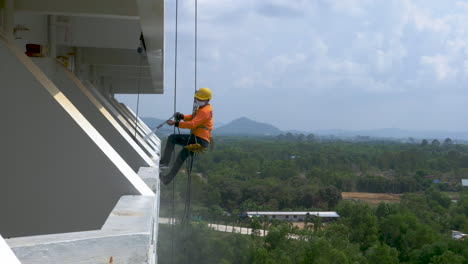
<point x="79" y="181"/>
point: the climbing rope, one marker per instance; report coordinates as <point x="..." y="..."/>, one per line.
<point x="138" y="94"/>
<point x="188" y="191"/>
<point x="172" y="222"/>
<point x="193" y="150"/>
<point x="196" y="148"/>
<point x="196" y="36"/>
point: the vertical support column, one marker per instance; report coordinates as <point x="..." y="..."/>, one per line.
<point x="52" y="36"/>
<point x="2" y="14"/>
<point x="9" y="18"/>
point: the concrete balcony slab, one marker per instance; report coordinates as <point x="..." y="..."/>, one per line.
<point x="126" y="237"/>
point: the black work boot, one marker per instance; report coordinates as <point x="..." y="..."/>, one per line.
<point x="166" y="177"/>
<point x="167" y="174"/>
<point x="163" y="172"/>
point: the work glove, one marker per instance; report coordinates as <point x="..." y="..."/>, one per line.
<point x="178" y="116"/>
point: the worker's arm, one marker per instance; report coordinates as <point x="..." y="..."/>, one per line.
<point x="200" y="118"/>
<point x="187" y="117"/>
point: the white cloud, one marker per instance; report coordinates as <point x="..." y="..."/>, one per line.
<point x="382" y="63"/>
<point x="211" y="9"/>
<point x="319" y="47"/>
<point x="215" y="54"/>
<point x="440" y="65"/>
<point x="349" y="7"/>
<point x="281" y="63"/>
<point x="329" y="47"/>
<point x="462" y="4"/>
<point x="245" y="82"/>
<point x="345" y="68"/>
<point x="424" y="22"/>
<point x="465" y="67"/>
<point x="457" y="45"/>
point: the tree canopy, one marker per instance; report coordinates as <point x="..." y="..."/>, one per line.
<point x="302" y="173"/>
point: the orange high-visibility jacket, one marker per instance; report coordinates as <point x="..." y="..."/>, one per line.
<point x="201" y="123"/>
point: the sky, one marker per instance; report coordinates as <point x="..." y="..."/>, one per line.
<point x="320" y="64"/>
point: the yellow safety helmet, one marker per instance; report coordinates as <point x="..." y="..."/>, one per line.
<point x="203" y="94"/>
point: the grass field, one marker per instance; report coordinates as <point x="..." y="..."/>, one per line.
<point x="372" y="198"/>
<point x="452" y="195"/>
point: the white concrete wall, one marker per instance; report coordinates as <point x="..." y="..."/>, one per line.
<point x="109" y="33"/>
<point x="141" y="129"/>
<point x="58" y="173"/>
<point x="127" y="124"/>
<point x="82" y="7"/>
<point x="109" y="42"/>
<point x="104" y="33"/>
<point x="37" y="25"/>
<point x="119" y="140"/>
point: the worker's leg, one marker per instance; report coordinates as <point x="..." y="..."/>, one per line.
<point x="203" y="142"/>
<point x="172" y="140"/>
<point x="181" y="158"/>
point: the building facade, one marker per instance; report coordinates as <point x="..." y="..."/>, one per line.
<point x="79" y="181"/>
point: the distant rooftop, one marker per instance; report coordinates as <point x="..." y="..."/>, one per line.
<point x="320" y="214"/>
<point x="464" y="182"/>
<point x="458" y="235"/>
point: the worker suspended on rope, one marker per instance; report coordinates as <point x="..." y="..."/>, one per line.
<point x="200" y="123"/>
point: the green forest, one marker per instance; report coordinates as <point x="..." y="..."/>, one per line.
<point x="287" y="173"/>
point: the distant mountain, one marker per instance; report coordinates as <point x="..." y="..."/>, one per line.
<point x="394" y="133"/>
<point x="248" y="127"/>
<point x="218" y="124"/>
<point x="296" y="132"/>
<point x="245" y="126"/>
<point x="241" y="126"/>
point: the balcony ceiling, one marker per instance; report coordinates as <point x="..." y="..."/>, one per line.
<point x="106" y="34"/>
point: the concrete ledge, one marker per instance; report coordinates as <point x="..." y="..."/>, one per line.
<point x="150" y="175"/>
<point x="131" y="214"/>
<point x="6" y="255"/>
<point x="127" y="237"/>
<point x="131" y="248"/>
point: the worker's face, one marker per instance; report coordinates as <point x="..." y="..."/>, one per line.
<point x="200" y="103"/>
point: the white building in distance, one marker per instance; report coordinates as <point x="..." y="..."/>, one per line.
<point x="293" y="216"/>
